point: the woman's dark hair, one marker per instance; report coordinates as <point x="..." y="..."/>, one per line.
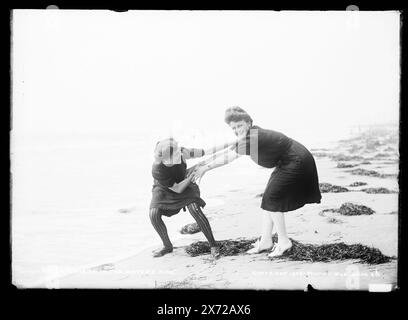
<point x="237" y="114"/>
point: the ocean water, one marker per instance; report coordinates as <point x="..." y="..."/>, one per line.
<point x="68" y="189"/>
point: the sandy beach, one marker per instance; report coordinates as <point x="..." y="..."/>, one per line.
<point x="233" y="211"/>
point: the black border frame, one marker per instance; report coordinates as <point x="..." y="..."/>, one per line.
<point x="144" y="302"/>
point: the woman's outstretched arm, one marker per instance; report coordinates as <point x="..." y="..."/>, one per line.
<point x="223" y="159"/>
<point x="191" y="153"/>
<point x="220" y="154"/>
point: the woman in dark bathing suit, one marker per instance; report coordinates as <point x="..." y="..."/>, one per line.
<point x="292" y="184"/>
<point x="173" y="190"/>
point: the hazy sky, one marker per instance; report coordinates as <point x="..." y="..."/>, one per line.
<point x="102" y="70"/>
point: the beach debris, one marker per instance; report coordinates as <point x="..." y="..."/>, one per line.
<point x="186" y="283"/>
<point x="358" y="184"/>
<point x="346" y="165"/>
<point x="127" y="210"/>
<point x="364" y="172"/>
<point x="320" y="149"/>
<point x="343" y="157"/>
<point x="382" y="155"/>
<point x="323" y="212"/>
<point x="389" y="161"/>
<point x="327" y="187"/>
<point x="333" y="220"/>
<point x="298" y="252"/>
<point x="373" y="137"/>
<point x="104" y="267"/>
<point x="388" y="149"/>
<point x="351" y="209"/>
<point x="190" y="228"/>
<point x="370" y="173"/>
<point x="356" y="139"/>
<point x="260" y="195"/>
<point x="319" y="154"/>
<point x="378" y="190"/>
<point x="365" y="162"/>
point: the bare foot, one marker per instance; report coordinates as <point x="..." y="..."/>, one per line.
<point x="260" y="247"/>
<point x="280" y="249"/>
<point x="162" y="252"/>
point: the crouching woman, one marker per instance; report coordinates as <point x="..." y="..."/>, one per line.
<point x="173" y="190"/>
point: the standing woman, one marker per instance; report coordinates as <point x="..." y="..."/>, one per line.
<point x="292" y="184"/>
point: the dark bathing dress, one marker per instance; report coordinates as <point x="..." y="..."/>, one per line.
<point x="168" y="201"/>
<point x="294" y="182"/>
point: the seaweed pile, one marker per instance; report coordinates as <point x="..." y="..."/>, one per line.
<point x="335" y="252"/>
<point x="299" y="251"/>
<point x="346" y="165"/>
<point x="378" y="190"/>
<point x="322" y="213"/>
<point x="370" y="173"/>
<point x="365" y="162"/>
<point x="190" y="228"/>
<point x="343" y="157"/>
<point x="358" y="184"/>
<point x="260" y="195"/>
<point x="350" y="209"/>
<point x="327" y="187"/>
<point x="364" y="172"/>
<point x="227" y="247"/>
